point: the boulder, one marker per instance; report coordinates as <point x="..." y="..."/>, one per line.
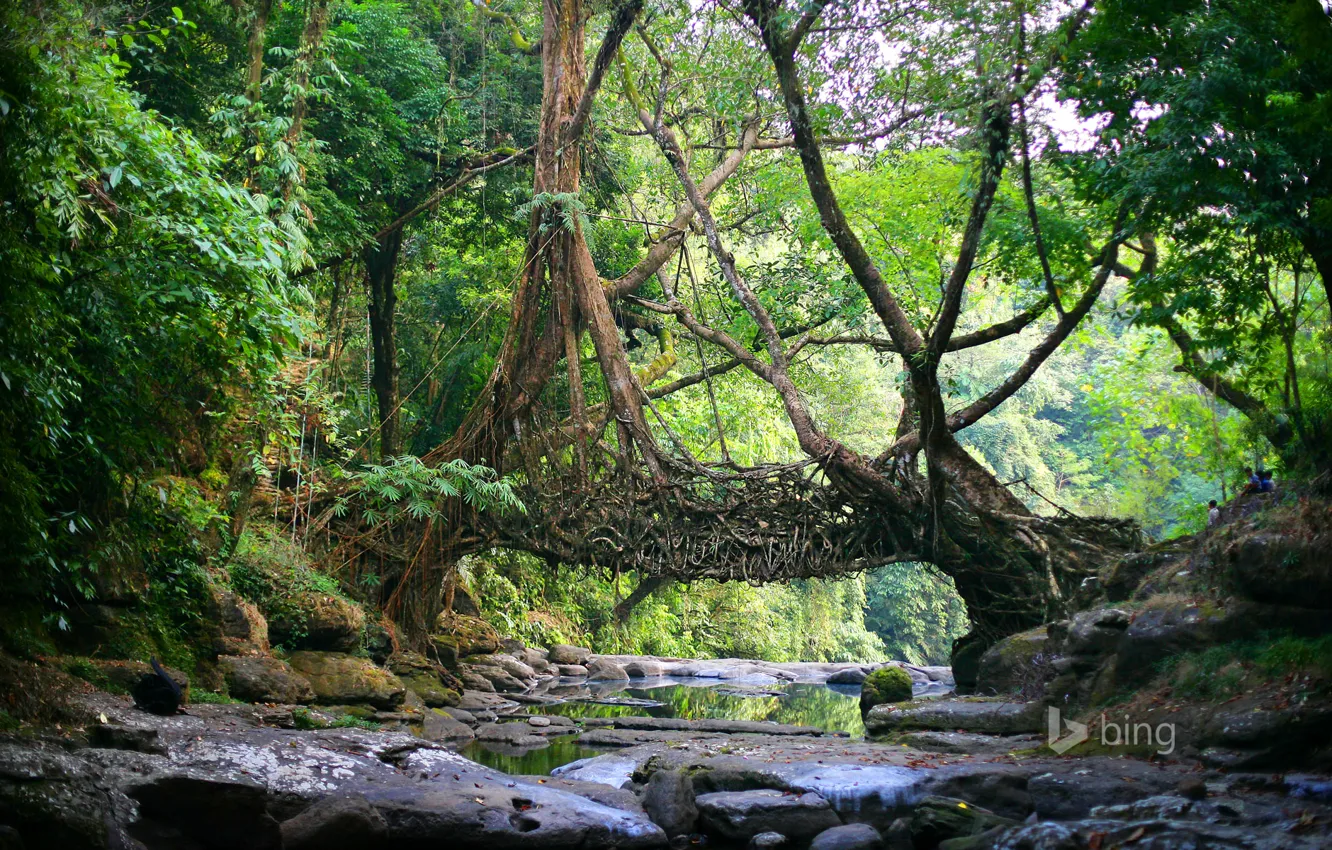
<point x="339" y="679"/>
<point x="855" y="836"/>
<point x="381" y="638"/>
<point x="438" y="726"/>
<point x="937" y="819"/>
<point x="242" y="629"/>
<point x="669" y="802"/>
<point x="563" y="653"/>
<point x="253" y="678"/>
<point x="430" y="681"/>
<point x="644" y="668"/>
<point x="319" y="621"/>
<point x="335" y="823"/>
<point x="464" y="635"/>
<point x="740" y="815"/>
<point x="767" y="841"/>
<point x="848" y="676"/>
<point x="885" y="685"/>
<point x="1018" y="664"/>
<point x="990" y="717"/>
<point x="1281" y="569"/>
<point x="499" y="679"/>
<point x="604" y="670"/>
<point x="572" y="671"/>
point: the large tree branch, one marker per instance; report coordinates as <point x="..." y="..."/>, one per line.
<point x="995" y="127"/>
<point x="674" y="232"/>
<point x="520" y="41"/>
<point x="885" y="305"/>
<point x="979" y="408"/>
<point x="985" y="335"/>
<point x="625" y="13"/>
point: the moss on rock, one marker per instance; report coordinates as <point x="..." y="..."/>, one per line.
<point x="887" y="684"/>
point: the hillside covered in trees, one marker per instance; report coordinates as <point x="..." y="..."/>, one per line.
<point x="821" y="331"/>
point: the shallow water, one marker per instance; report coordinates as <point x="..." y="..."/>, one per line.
<point x="832" y="708"/>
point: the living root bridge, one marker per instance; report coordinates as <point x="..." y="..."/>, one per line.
<point x="778" y="523"/>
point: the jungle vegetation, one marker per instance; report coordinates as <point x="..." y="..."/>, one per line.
<point x="776" y="328"/>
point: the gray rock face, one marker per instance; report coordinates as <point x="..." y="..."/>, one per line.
<point x="573" y="671"/>
<point x="256" y="678"/>
<point x="740" y="815"/>
<point x="227" y="785"/>
<point x="335" y="823"/>
<point x="603" y="670"/>
<point x="669" y="801"/>
<point x="991" y="717"/>
<point x="855" y="836"/>
<point x="562" y="653"/>
<point x="339" y="679"/>
<point x="768" y="841"/>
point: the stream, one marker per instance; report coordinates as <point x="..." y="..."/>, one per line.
<point x="832" y="708"/>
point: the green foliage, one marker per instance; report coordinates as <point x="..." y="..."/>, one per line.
<point x="1227" y="670"/>
<point x="807" y="620"/>
<point x="202" y="697"/>
<point x="271" y="571"/>
<point x="916" y="611"/>
<point x="140" y="281"/>
<point x="405" y="488"/>
<point x="307" y="720"/>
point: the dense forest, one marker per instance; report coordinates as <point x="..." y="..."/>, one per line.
<point x="783" y="330"/>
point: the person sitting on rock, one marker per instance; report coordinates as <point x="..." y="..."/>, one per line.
<point x="1213" y="514"/>
<point x="1254" y="481"/>
<point x="1265" y="482"/>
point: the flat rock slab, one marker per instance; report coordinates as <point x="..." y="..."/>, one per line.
<point x="426" y="794"/>
<point x="990" y="717"/>
<point x="740" y="815"/>
<point x="968" y="742"/>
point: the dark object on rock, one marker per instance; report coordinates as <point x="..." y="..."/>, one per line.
<point x="157" y="693"/>
<point x="855" y="836"/>
<point x="887" y="684"/>
<point x="669" y="802"/>
<point x="113" y="736"/>
<point x="1192" y="788"/>
<point x="335" y="823"/>
<point x="938" y="819"/>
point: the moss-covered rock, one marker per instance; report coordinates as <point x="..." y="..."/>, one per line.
<point x="259" y="679"/>
<point x="319" y="621"/>
<point x="1016" y="664"/>
<point x="338" y="678"/>
<point x="467" y="635"/>
<point x="887" y="684"/>
<point x="432" y="683"/>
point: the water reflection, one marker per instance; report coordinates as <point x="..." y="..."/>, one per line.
<point x="832" y="708"/>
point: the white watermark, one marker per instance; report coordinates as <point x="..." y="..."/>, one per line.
<point x="1125" y="734"/>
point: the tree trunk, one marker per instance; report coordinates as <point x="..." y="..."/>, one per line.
<point x="255" y="71"/>
<point x="380" y="267"/>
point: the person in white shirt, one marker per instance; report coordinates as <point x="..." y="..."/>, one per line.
<point x="1213" y="514"/>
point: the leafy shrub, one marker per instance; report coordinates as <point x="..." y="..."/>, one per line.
<point x="272" y="572"/>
